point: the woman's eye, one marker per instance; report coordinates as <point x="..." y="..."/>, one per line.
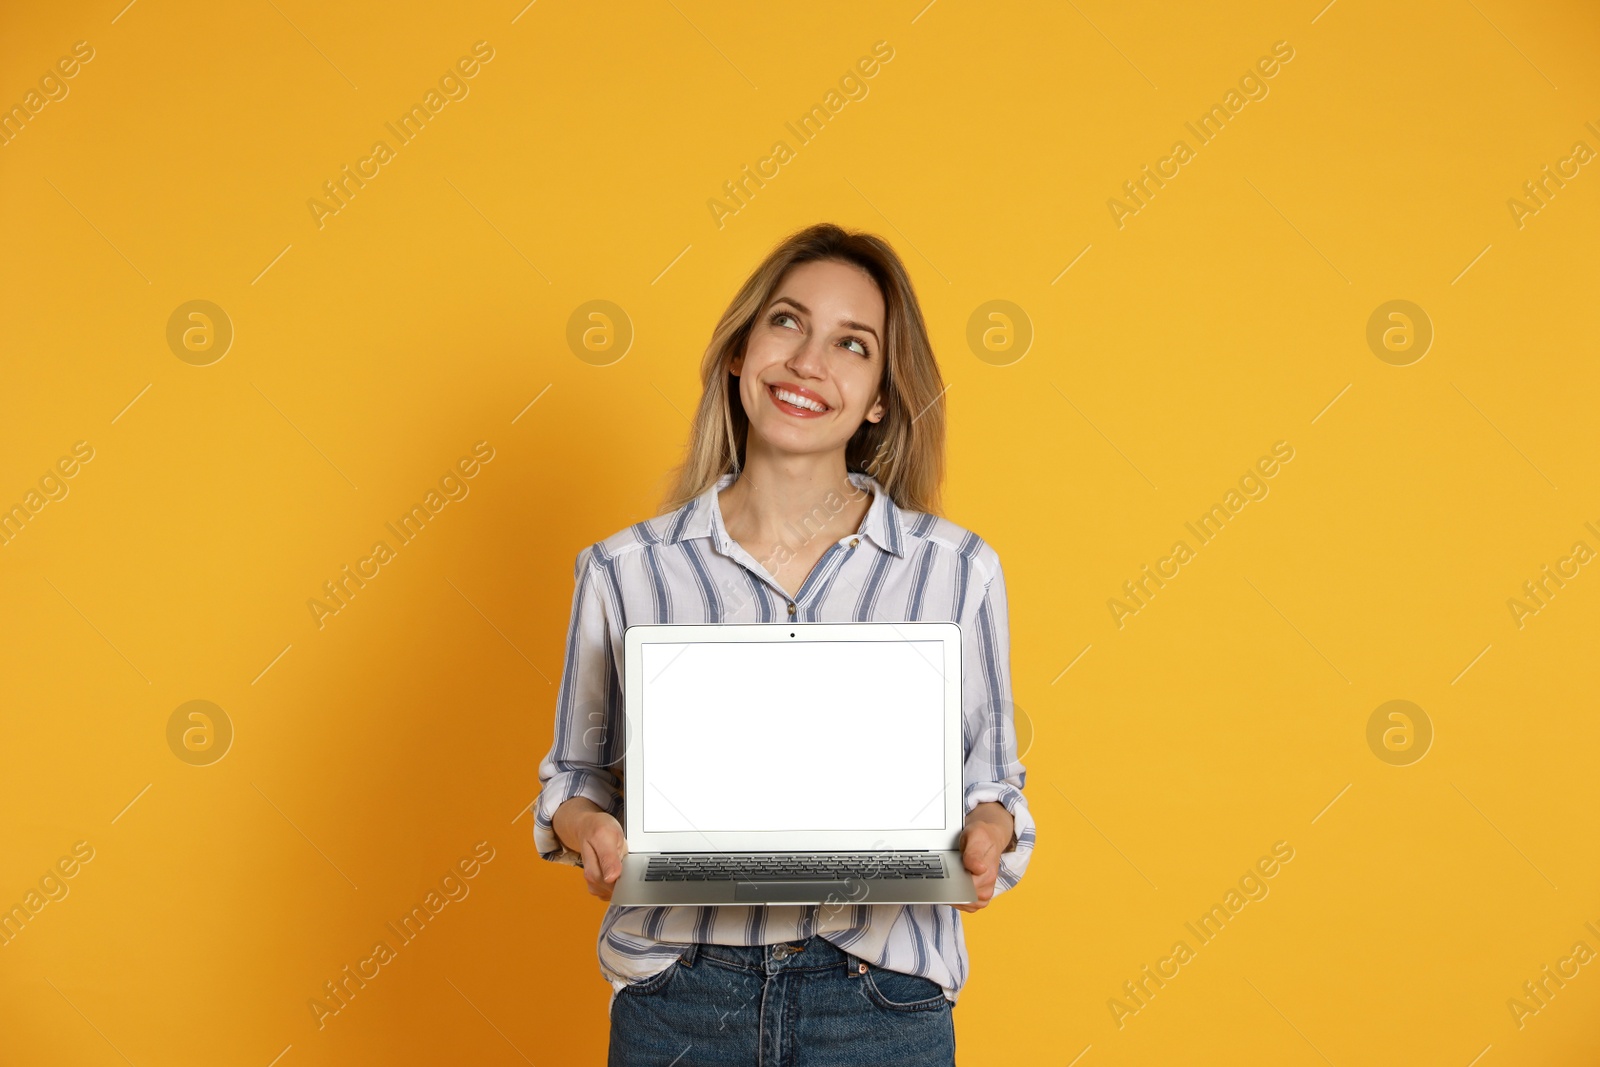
<point x="777" y="318"/>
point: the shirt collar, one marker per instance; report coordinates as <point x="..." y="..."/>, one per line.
<point x="702" y="517"/>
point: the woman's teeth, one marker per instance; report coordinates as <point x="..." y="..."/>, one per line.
<point x="797" y="400"/>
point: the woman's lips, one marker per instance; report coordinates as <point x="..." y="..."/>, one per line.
<point x="792" y="409"/>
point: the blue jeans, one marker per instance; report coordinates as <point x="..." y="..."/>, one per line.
<point x="798" y="1004"/>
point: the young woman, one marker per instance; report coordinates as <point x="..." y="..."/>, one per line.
<point x="810" y="493"/>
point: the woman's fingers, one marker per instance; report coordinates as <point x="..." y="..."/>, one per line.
<point x="980" y="851"/>
<point x="610" y="864"/>
<point x="980" y="855"/>
<point x="591" y="865"/>
<point x="602" y="854"/>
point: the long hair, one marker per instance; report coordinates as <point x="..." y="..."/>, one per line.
<point x="903" y="452"/>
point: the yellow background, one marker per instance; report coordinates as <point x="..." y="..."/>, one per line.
<point x="370" y="354"/>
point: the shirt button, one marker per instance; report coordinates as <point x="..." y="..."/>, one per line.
<point x="854" y="541"/>
<point x="791" y="609"/>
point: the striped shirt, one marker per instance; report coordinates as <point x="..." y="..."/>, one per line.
<point x="682" y="567"/>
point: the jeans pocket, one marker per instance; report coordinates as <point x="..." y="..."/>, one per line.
<point x="898" y="991"/>
<point x="655" y="982"/>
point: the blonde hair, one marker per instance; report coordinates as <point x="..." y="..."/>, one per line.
<point x="903" y="452"/>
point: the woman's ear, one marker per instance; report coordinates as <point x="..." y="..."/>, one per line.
<point x="736" y="364"/>
<point x="875" y="414"/>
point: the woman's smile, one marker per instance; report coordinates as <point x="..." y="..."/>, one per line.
<point x="797" y="401"/>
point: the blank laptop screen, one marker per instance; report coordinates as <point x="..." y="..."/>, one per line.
<point x="784" y="736"/>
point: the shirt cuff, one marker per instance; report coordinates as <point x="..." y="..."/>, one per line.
<point x="560" y="789"/>
<point x="1013" y="861"/>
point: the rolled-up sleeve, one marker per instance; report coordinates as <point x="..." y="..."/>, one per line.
<point x="993" y="771"/>
<point x="586" y="753"/>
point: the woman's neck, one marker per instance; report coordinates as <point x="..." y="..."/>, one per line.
<point x="776" y="499"/>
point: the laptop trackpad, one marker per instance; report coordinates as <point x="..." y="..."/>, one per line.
<point x="799" y="892"/>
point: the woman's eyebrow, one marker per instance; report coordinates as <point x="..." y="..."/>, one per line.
<point x="863" y="327"/>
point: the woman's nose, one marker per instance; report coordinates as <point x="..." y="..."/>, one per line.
<point x="807" y="358"/>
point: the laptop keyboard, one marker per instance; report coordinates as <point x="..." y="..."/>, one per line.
<point x="791" y="867"/>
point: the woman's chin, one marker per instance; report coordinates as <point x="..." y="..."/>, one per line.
<point x="788" y="439"/>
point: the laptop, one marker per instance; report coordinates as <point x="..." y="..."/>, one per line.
<point x="793" y="763"/>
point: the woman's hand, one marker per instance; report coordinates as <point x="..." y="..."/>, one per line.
<point x="597" y="837"/>
<point x="986" y="836"/>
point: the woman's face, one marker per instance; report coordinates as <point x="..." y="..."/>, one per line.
<point x="817" y="344"/>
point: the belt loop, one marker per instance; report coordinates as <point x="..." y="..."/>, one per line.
<point x="688" y="955"/>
